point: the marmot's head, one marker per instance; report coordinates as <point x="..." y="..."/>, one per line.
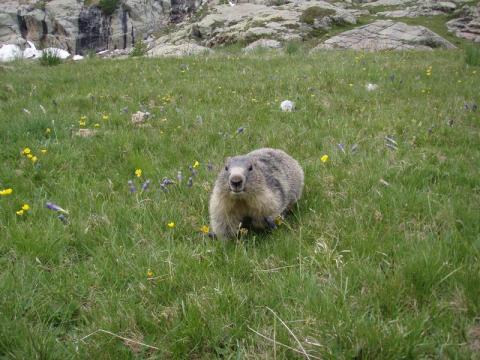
<point x="240" y="176"/>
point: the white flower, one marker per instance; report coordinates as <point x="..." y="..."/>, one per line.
<point x="371" y="87"/>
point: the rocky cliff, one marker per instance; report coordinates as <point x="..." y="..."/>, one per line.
<point x="79" y="26"/>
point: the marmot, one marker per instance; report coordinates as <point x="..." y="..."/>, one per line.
<point x="254" y="189"/>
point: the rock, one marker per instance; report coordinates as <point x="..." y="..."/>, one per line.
<point x="77" y="57"/>
<point x="427" y="8"/>
<point x="250" y="21"/>
<point x="386" y="3"/>
<point x="178" y="50"/>
<point x="62" y="54"/>
<point x="386" y="35"/>
<point x="140" y="117"/>
<point x="85" y="133"/>
<point x="31" y="52"/>
<point x="72" y="26"/>
<point x="467" y="26"/>
<point x="10" y="52"/>
<point x="263" y="43"/>
<point x="287" y="106"/>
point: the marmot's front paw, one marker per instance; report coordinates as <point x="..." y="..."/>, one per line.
<point x="270" y="222"/>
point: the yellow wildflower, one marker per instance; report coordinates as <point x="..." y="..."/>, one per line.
<point x="30" y="156"/>
<point x="83" y="118"/>
<point x="25" y="207"/>
<point x="105" y="117"/>
<point x="324" y="158"/>
<point x="26" y="151"/>
<point x="171" y="225"/>
<point x="43" y="151"/>
<point x="34" y="159"/>
<point x="97" y="125"/>
<point x="48" y="131"/>
<point x="19" y="212"/>
<point x="149" y="273"/>
<point x="138" y="172"/>
<point x="6" y="191"/>
<point x="205" y="229"/>
<point x="81" y="123"/>
<point x="278" y="220"/>
<point x="196" y="164"/>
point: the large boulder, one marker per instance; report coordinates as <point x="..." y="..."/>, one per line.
<point x="263" y="44"/>
<point x="185" y="49"/>
<point x="247" y="22"/>
<point x="426" y="8"/>
<point x="386" y="35"/>
<point x="467" y="25"/>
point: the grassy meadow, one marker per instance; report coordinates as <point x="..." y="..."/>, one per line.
<point x="380" y="260"/>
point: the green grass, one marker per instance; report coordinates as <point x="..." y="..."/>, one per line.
<point x="472" y="55"/>
<point x="50" y="58"/>
<point x="361" y="269"/>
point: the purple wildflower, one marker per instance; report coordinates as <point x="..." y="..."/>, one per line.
<point x="341" y="147"/>
<point x="145" y="185"/>
<point x="131" y="186"/>
<point x="167" y="181"/>
<point x="55" y="207"/>
<point x="240" y="130"/>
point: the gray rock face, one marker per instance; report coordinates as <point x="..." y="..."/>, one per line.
<point x="250" y="21"/>
<point x="70" y="25"/>
<point x="386" y="35"/>
<point x="386" y="3"/>
<point x="263" y="43"/>
<point x="426" y="8"/>
<point x="467" y="26"/>
<point x="185" y="49"/>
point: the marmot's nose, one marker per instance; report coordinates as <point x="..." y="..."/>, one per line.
<point x="236" y="182"/>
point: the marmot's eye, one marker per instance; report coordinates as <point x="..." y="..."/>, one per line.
<point x="226" y="168"/>
<point x="250" y="168"/>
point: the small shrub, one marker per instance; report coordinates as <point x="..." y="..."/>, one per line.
<point x="472" y="55"/>
<point x="108" y="6"/>
<point x="309" y="15"/>
<point x="40" y="5"/>
<point x="50" y="58"/>
<point x="139" y="49"/>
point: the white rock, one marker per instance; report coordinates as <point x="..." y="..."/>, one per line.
<point x="371" y="87"/>
<point x="140" y="117"/>
<point x="77" y="57"/>
<point x="62" y="54"/>
<point x="10" y="52"/>
<point x="287" y="106"/>
<point x="31" y="52"/>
